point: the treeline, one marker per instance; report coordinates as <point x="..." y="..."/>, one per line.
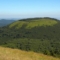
<point x="29" y="19"/>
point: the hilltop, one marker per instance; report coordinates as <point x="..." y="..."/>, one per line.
<point x="15" y="54"/>
<point x="34" y="22"/>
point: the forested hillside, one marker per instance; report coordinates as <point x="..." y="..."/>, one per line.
<point x="40" y="35"/>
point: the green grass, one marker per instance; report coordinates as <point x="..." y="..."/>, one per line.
<point x="33" y="23"/>
<point x="17" y="24"/>
<point x="15" y="54"/>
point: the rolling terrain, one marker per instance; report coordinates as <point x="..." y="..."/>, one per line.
<point x="40" y="35"/>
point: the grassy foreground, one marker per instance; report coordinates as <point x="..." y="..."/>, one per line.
<point x="15" y="54"/>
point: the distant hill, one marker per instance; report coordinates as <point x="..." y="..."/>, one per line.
<point x="15" y="54"/>
<point x="4" y="22"/>
<point x="40" y="35"/>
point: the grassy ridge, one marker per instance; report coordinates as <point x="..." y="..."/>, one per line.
<point x="15" y="54"/>
<point x="34" y="23"/>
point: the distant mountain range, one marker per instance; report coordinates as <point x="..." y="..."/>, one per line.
<point x="4" y="22"/>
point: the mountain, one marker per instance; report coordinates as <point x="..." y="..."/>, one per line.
<point x="4" y="22"/>
<point x="15" y="54"/>
<point x="41" y="35"/>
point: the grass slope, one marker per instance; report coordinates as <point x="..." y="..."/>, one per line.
<point x="15" y="54"/>
<point x="34" y="23"/>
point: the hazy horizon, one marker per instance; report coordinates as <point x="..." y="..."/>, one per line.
<point x="10" y="9"/>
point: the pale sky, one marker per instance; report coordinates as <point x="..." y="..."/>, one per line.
<point x="29" y="8"/>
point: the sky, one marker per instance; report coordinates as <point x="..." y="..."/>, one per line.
<point x="29" y="8"/>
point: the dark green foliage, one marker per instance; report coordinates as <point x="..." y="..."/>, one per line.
<point x="29" y="19"/>
<point x="39" y="39"/>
